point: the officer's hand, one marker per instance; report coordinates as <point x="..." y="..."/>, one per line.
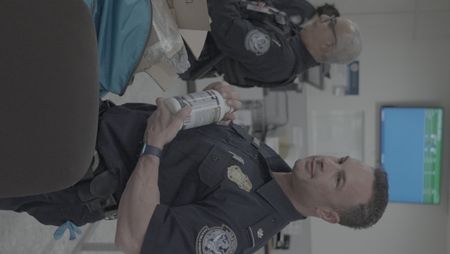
<point x="231" y="97"/>
<point x="163" y="126"/>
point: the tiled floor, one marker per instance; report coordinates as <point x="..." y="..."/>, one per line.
<point x="22" y="234"/>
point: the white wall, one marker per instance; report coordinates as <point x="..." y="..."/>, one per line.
<point x="399" y="63"/>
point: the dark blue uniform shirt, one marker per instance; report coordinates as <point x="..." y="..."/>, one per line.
<point x="253" y="51"/>
<point x="217" y="196"/>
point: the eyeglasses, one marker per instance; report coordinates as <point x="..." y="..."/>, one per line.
<point x="332" y="24"/>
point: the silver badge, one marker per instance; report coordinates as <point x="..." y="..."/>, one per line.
<point x="216" y="240"/>
<point x="257" y="42"/>
<point x="238" y="177"/>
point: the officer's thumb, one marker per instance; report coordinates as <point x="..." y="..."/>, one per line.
<point x="184" y="112"/>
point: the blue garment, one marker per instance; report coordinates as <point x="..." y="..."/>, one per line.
<point x="123" y="29"/>
<point x="68" y="225"/>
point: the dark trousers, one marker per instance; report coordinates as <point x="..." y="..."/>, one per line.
<point x="54" y="208"/>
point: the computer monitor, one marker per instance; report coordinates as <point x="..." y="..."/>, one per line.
<point x="410" y="151"/>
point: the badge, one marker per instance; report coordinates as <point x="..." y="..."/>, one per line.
<point x="216" y="240"/>
<point x="236" y="175"/>
<point x="257" y="42"/>
<point x="237" y="157"/>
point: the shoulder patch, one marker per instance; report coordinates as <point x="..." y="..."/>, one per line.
<point x="216" y="240"/>
<point x="257" y="42"/>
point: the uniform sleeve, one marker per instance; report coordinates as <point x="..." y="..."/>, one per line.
<point x="301" y="7"/>
<point x="192" y="229"/>
<point x="257" y="49"/>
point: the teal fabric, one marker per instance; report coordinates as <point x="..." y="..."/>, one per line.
<point x="123" y="28"/>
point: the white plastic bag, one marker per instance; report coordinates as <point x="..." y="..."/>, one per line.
<point x="165" y="45"/>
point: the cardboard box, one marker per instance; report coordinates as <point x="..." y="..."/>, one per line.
<point x="190" y="14"/>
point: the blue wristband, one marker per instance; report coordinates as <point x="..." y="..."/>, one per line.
<point x="152" y="150"/>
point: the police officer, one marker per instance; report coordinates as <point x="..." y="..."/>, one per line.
<point x="119" y="143"/>
<point x="216" y="193"/>
<point x="212" y="189"/>
<point x="267" y="45"/>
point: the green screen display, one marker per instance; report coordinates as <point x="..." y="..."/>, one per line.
<point x="411" y="153"/>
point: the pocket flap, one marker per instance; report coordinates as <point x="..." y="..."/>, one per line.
<point x="212" y="169"/>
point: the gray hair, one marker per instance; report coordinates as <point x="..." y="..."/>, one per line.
<point x="348" y="46"/>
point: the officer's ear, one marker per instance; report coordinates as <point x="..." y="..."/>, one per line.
<point x="328" y="215"/>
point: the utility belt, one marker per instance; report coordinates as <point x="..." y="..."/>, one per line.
<point x="97" y="189"/>
<point x="119" y="140"/>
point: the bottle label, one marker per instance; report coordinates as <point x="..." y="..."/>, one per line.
<point x="206" y="108"/>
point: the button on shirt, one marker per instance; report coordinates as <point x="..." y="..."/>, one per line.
<point x="217" y="196"/>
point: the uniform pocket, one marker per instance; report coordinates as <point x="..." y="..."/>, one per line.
<point x="213" y="168"/>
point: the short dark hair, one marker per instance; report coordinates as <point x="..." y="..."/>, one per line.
<point x="366" y="215"/>
<point x="328" y="9"/>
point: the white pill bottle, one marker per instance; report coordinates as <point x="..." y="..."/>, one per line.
<point x="207" y="107"/>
